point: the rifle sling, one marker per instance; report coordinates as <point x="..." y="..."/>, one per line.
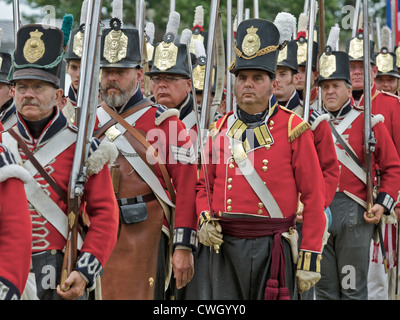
<point x="345" y="146"/>
<point x="38" y="167"/>
<point x="112" y="121"/>
<point x="135" y="133"/>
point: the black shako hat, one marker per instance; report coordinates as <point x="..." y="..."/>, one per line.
<point x="120" y="47"/>
<point x="334" y="65"/>
<point x="170" y="57"/>
<point x="302" y="44"/>
<point x="257" y="46"/>
<point x="75" y="46"/>
<point x="5" y="65"/>
<point x="38" y="53"/>
<point x="288" y="56"/>
<point x="355" y="48"/>
<point x="386" y="63"/>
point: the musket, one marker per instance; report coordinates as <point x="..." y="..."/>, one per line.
<point x="355" y="19"/>
<point x="393" y="14"/>
<point x="203" y="123"/>
<point x="240" y="10"/>
<point x="310" y="39"/>
<point x="220" y="77"/>
<point x="86" y="104"/>
<point x="140" y="23"/>
<point x="17" y="19"/>
<point x="171" y="5"/>
<point x="369" y="143"/>
<point x="229" y="50"/>
<point x="369" y="138"/>
<point x="140" y="16"/>
<point x="321" y="19"/>
<point x="306" y="5"/>
<point x="378" y="32"/>
<point x="321" y="40"/>
<point x="256" y="9"/>
<point x="205" y="110"/>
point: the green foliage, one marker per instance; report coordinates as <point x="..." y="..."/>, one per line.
<point x="158" y="11"/>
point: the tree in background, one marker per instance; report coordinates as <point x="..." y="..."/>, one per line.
<point x="336" y="11"/>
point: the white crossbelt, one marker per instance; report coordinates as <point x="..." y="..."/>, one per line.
<point x="134" y="159"/>
<point x="252" y="177"/>
<point x="36" y="196"/>
<point x="341" y="154"/>
<point x="190" y="120"/>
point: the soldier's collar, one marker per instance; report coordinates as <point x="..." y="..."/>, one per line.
<point x="345" y="109"/>
<point x="58" y="122"/>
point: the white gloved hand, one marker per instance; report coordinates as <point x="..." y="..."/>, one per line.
<point x="210" y="233"/>
<point x="306" y="279"/>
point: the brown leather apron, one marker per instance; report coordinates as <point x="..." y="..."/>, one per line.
<point x="130" y="271"/>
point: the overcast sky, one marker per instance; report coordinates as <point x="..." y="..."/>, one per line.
<point x="6" y="10"/>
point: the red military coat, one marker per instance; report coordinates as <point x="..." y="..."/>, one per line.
<point x="385" y="157"/>
<point x="100" y="203"/>
<point x="288" y="164"/>
<point x="15" y="228"/>
<point x="323" y="144"/>
<point x="387" y="105"/>
<point x="168" y="135"/>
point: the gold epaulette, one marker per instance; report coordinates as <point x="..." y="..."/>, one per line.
<point x="216" y="126"/>
<point x="300" y="126"/>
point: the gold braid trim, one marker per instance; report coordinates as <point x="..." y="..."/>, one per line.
<point x="259" y="53"/>
<point x="298" y="130"/>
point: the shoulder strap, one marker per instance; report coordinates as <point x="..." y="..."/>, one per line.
<point x="37" y="165"/>
<point x="246" y="167"/>
<point x="112" y="121"/>
<point x="147" y="145"/>
<point x="345" y="146"/>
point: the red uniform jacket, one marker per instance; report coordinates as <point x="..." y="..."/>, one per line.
<point x="168" y="135"/>
<point x="15" y="228"/>
<point x="385" y="157"/>
<point x="100" y="203"/>
<point x="288" y="165"/>
<point x="324" y="145"/>
<point x="387" y="105"/>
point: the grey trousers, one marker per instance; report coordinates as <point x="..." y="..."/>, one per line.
<point x="345" y="258"/>
<point x="242" y="267"/>
<point x="46" y="270"/>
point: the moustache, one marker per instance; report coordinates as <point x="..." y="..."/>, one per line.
<point x="113" y="85"/>
<point x="30" y="101"/>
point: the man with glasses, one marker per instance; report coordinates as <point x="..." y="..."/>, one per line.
<point x="7" y="107"/>
<point x="171" y="85"/>
<point x="154" y="150"/>
<point x="44" y="143"/>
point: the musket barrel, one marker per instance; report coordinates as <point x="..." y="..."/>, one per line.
<point x="229" y="45"/>
<point x="310" y="39"/>
<point x="367" y="106"/>
<point x="240" y="10"/>
<point x="89" y="74"/>
<point x="140" y="16"/>
<point x="86" y="104"/>
<point x="355" y="18"/>
<point x="256" y="11"/>
<point x="205" y="110"/>
<point x="171" y="5"/>
<point x="17" y="19"/>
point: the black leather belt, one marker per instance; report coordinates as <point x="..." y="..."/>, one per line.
<point x="138" y="199"/>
